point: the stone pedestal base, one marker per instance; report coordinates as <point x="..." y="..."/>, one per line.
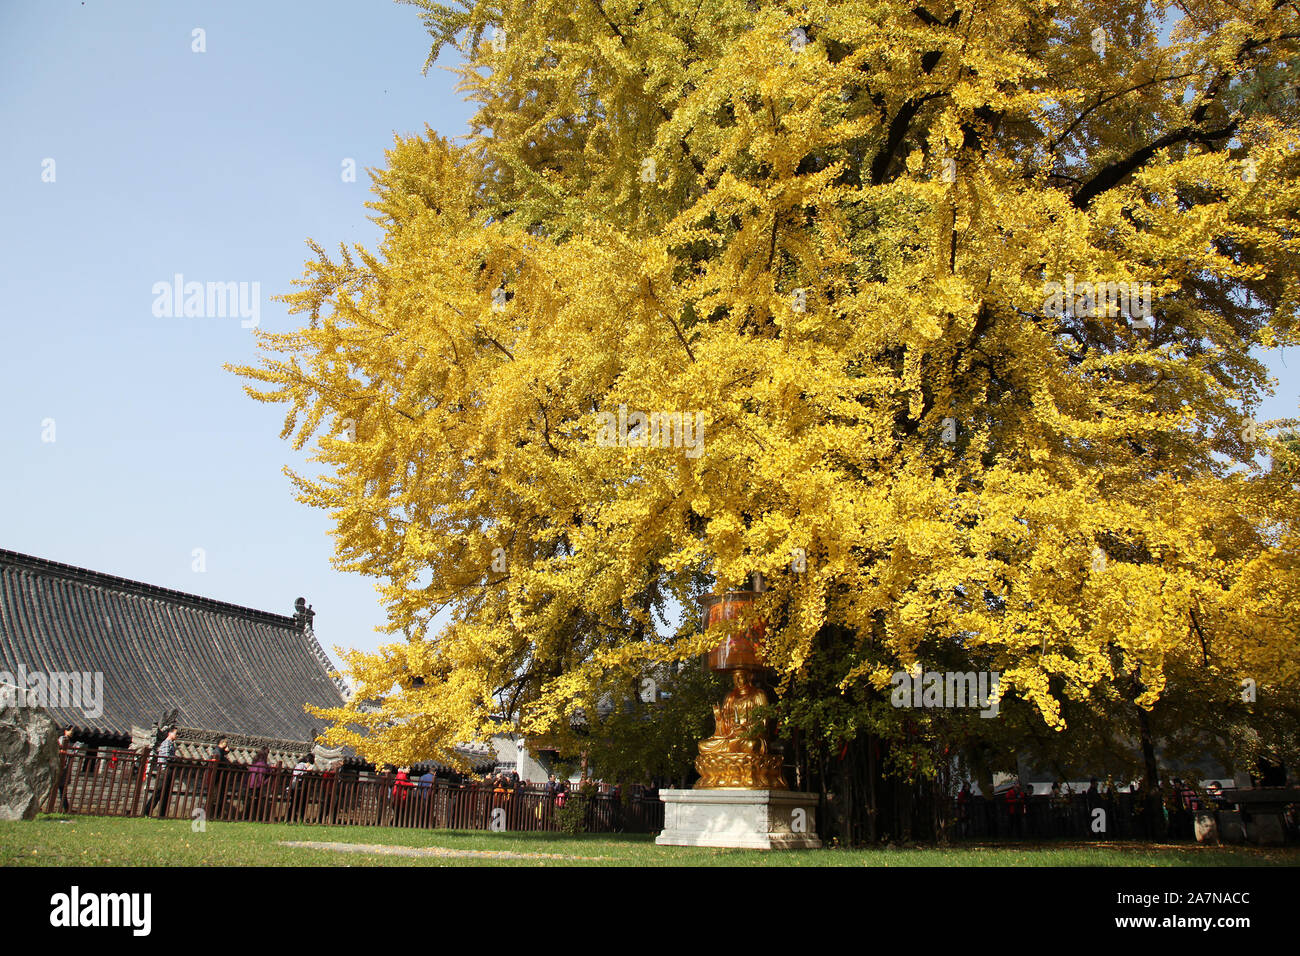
<point x="751" y="819"/>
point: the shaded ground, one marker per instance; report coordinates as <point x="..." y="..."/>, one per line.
<point x="114" y="841"/>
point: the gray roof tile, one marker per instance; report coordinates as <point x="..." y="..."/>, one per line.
<point x="224" y="667"/>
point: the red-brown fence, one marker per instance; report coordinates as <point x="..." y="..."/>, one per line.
<point x="127" y="783"/>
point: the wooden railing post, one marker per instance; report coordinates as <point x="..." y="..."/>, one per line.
<point x="140" y="778"/>
<point x="207" y="793"/>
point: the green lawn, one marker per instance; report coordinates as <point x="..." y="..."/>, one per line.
<point x="112" y="841"/>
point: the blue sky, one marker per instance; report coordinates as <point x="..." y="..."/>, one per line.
<point x="217" y="166"/>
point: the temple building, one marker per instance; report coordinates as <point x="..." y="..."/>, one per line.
<point x="116" y="659"/>
<point x="152" y="655"/>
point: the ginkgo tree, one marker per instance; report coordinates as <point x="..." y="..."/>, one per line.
<point x="946" y="318"/>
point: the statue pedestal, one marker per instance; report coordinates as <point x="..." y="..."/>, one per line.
<point x="751" y="819"/>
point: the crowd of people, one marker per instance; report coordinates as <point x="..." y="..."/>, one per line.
<point x="1101" y="811"/>
<point x="160" y="763"/>
<point x="245" y="790"/>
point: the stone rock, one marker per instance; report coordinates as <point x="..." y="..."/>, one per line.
<point x="29" y="760"/>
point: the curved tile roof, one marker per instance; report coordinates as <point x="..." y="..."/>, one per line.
<point x="223" y="667"/>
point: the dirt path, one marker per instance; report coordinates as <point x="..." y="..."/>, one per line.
<point x="434" y="851"/>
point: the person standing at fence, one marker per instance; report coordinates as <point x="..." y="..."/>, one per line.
<point x="401" y="784"/>
<point x="257" y="773"/>
<point x="546" y="806"/>
<point x="1014" y="820"/>
<point x="220" y="777"/>
<point x="401" y="787"/>
<point x="65" y="762"/>
<point x="1092" y="801"/>
<point x="163" y="782"/>
<point x="298" y="785"/>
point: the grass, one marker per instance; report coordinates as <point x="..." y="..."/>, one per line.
<point x="54" y="840"/>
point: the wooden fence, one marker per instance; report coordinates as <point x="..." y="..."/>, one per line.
<point x="1125" y="816"/>
<point x="127" y="783"/>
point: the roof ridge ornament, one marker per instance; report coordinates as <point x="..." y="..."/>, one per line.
<point x="303" y="614"/>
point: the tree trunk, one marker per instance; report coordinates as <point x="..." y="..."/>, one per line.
<point x="1148" y="752"/>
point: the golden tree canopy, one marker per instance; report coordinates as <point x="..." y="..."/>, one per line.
<point x="945" y="318"/>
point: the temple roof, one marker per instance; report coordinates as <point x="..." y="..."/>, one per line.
<point x="223" y="667"/>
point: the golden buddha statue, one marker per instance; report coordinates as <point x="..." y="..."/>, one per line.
<point x="736" y="756"/>
<point x="734" y="725"/>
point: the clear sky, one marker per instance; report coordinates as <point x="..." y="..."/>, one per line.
<point x="216" y="165"/>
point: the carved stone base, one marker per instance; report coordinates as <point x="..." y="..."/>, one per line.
<point x="751" y="819"/>
<point x="739" y="771"/>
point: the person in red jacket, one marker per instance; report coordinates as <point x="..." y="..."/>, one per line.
<point x="1015" y="810"/>
<point x="402" y="785"/>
